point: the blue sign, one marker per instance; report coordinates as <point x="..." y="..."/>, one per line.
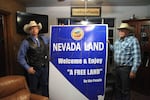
<point x="80" y="54"/>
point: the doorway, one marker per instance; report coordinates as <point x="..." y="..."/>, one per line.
<point x="2" y="47"/>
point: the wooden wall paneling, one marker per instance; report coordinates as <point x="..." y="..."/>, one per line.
<point x="13" y="39"/>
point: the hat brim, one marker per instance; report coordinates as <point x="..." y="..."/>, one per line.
<point x="127" y="28"/>
<point x="27" y="27"/>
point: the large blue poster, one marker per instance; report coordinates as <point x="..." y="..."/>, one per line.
<point x="80" y="54"/>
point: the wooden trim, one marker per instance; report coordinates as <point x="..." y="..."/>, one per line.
<point x="134" y="20"/>
<point x="6" y="17"/>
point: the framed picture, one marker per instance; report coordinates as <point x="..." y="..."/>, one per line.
<point x="85" y="12"/>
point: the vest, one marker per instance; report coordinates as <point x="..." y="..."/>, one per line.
<point x="37" y="57"/>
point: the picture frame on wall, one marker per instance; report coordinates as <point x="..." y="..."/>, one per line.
<point x="85" y="12"/>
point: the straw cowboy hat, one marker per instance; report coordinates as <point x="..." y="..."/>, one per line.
<point x="27" y="27"/>
<point x="125" y="26"/>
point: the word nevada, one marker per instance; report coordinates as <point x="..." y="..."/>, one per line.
<point x="76" y="46"/>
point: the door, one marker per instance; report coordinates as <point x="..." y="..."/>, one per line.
<point x="2" y="48"/>
<point x="141" y="83"/>
<point x="143" y="74"/>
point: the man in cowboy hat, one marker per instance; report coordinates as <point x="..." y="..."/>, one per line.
<point x="33" y="56"/>
<point x="127" y="58"/>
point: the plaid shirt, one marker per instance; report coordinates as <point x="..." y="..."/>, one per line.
<point x="127" y="52"/>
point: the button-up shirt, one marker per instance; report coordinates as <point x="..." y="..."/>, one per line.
<point x="127" y="52"/>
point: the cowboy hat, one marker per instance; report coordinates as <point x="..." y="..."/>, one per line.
<point x="27" y="27"/>
<point x="125" y="26"/>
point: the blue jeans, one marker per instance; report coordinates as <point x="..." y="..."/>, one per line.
<point x="123" y="83"/>
<point x="39" y="79"/>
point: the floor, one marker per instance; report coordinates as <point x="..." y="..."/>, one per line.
<point x="110" y="90"/>
<point x="134" y="96"/>
<point x="138" y="96"/>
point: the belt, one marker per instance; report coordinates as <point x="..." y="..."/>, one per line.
<point x="123" y="66"/>
<point x="39" y="67"/>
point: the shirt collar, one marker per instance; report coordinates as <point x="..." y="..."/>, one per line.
<point x="32" y="37"/>
<point x="125" y="38"/>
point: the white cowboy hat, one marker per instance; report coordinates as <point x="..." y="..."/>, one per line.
<point x="125" y="26"/>
<point x="27" y="27"/>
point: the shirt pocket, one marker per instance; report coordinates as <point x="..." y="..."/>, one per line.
<point x="126" y="49"/>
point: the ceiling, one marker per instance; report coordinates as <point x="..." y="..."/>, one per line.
<point x="50" y="3"/>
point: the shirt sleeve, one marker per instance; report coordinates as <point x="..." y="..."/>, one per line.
<point x="22" y="54"/>
<point x="136" y="56"/>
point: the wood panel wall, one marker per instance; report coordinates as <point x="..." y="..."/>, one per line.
<point x="13" y="39"/>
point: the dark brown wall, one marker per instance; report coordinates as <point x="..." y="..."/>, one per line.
<point x="13" y="38"/>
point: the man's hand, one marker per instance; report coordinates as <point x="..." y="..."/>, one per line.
<point x="132" y="75"/>
<point x="108" y="41"/>
<point x="31" y="70"/>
